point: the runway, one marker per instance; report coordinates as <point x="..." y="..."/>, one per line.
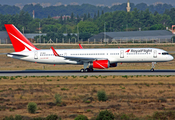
<point x="78" y="73"/>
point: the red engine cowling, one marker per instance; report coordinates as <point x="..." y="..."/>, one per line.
<point x="101" y="64"/>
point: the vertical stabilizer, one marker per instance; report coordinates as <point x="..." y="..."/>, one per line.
<point x="19" y="41"/>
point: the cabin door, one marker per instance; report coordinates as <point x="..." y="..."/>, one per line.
<point x="155" y="54"/>
<point x="121" y="53"/>
<point x="36" y="55"/>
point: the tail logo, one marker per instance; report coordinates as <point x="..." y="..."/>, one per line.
<point x="128" y="51"/>
<point x="18" y="40"/>
<point x="27" y="47"/>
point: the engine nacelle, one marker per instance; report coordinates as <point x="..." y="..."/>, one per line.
<point x="101" y="64"/>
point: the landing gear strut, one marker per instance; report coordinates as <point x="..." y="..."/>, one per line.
<point x="152" y="69"/>
<point x="86" y="69"/>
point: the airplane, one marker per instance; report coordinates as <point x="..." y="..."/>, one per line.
<point x="90" y="58"/>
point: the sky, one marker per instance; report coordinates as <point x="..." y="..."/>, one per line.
<point x="93" y="2"/>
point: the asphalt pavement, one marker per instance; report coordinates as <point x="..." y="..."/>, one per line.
<point x="78" y="73"/>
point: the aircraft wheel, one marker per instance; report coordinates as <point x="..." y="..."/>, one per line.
<point x="86" y="70"/>
<point x="152" y="69"/>
<point x="82" y="70"/>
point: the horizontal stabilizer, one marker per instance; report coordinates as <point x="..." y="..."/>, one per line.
<point x="18" y="55"/>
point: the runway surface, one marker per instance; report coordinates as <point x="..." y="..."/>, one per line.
<point x="78" y="73"/>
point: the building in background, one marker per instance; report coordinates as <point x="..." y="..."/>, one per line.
<point x="137" y="36"/>
<point x="4" y="38"/>
<point x="64" y="17"/>
<point x="128" y="8"/>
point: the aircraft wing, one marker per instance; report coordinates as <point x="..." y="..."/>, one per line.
<point x="80" y="59"/>
<point x="83" y="59"/>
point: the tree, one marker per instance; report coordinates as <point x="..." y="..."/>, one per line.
<point x="105" y="115"/>
<point x="172" y="14"/>
<point x="136" y="13"/>
<point x="78" y="19"/>
<point x="72" y="16"/>
<point x="84" y="17"/>
<point x="136" y="23"/>
<point x="98" y="15"/>
<point x="89" y="16"/>
<point x="95" y="16"/>
<point x="33" y="26"/>
<point x="7" y="9"/>
<point x="81" y="117"/>
<point x="141" y="6"/>
<point x="155" y="13"/>
<point x="87" y="27"/>
<point x="51" y="28"/>
<point x="57" y="98"/>
<point x="157" y="27"/>
<point x="49" y="16"/>
<point x="147" y="18"/>
<point x="84" y="36"/>
<point x="157" y="18"/>
<point x="166" y="20"/>
<point x="61" y="19"/>
<point x="24" y="18"/>
<point x="102" y="95"/>
<point x="32" y="107"/>
<point x="102" y="12"/>
<point x="52" y="117"/>
<point x="41" y="12"/>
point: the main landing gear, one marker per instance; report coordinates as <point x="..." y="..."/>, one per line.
<point x="86" y="69"/>
<point x="152" y="69"/>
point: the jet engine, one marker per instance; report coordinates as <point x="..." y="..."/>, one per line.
<point x="102" y="64"/>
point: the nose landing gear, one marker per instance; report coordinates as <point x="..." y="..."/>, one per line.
<point x="152" y="69"/>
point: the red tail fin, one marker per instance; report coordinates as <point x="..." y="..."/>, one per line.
<point x="19" y="41"/>
<point x="54" y="51"/>
<point x="81" y="47"/>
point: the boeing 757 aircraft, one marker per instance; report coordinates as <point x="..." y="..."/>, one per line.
<point x="90" y="58"/>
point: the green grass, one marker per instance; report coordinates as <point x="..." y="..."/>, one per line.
<point x="49" y="80"/>
<point x="122" y="87"/>
<point x="64" y="89"/>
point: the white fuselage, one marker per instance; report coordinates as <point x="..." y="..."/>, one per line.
<point x="114" y="55"/>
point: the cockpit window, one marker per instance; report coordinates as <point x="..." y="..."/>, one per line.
<point x="165" y="53"/>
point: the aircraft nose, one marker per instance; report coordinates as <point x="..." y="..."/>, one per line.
<point x="171" y="57"/>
